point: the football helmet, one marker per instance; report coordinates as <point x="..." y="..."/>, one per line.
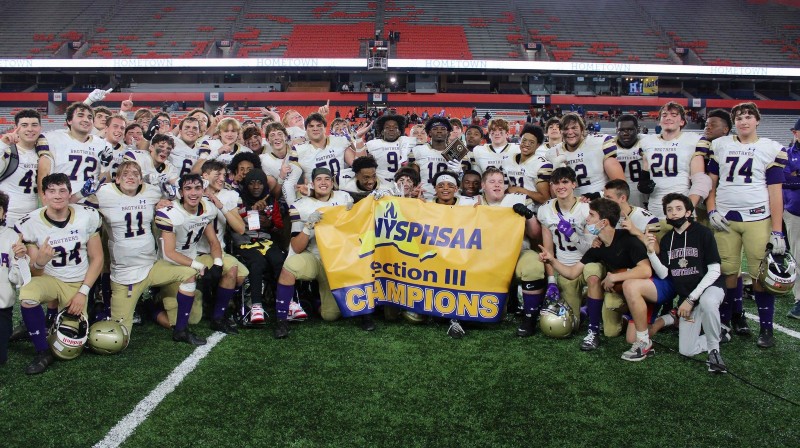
<point x="777" y="273"/>
<point x="107" y="337"/>
<point x="68" y="335"/>
<point x="557" y="319"/>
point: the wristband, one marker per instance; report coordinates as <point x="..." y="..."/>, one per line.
<point x="37" y="266"/>
<point x="308" y="231"/>
<point x="551" y="279"/>
<point x="218" y="262"/>
<point x="84" y="289"/>
<point x="197" y="266"/>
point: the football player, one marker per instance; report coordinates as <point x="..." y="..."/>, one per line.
<point x="428" y="159"/>
<point x="688" y="265"/>
<point x="553" y="129"/>
<point x="66" y="253"/>
<point x="498" y="150"/>
<point x="20" y="185"/>
<point x="473" y="136"/>
<point x="227" y="202"/>
<point x="745" y="206"/>
<point x="114" y="133"/>
<point x="408" y="182"/>
<point x="155" y="165"/>
<point x="222" y="149"/>
<point x="303" y="261"/>
<point x="675" y="161"/>
<point x="446" y="190"/>
<point x="629" y="155"/>
<point x="319" y="151"/>
<point x="185" y="154"/>
<point x="526" y="172"/>
<point x="366" y="179"/>
<point x="75" y="151"/>
<point x="275" y="162"/>
<point x="529" y="270"/>
<point x="391" y="150"/>
<point x="470" y="184"/>
<point x="635" y="220"/>
<point x="593" y="158"/>
<point x="128" y="207"/>
<point x="182" y="224"/>
<point x="623" y="257"/>
<point x="100" y="122"/>
<point x="563" y="222"/>
<point x="418" y="132"/>
<point x="14" y="270"/>
<point x="457" y="132"/>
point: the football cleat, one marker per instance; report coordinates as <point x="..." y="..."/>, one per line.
<point x="766" y="339"/>
<point x="525" y="328"/>
<point x="256" y="314"/>
<point x="739" y="324"/>
<point x="590" y="342"/>
<point x="20" y="333"/>
<point x="224" y="325"/>
<point x="367" y="323"/>
<point x="40" y="362"/>
<point x="187" y="336"/>
<point x="296" y="312"/>
<point x="455" y="330"/>
<point x="281" y="330"/>
<point x="639" y="351"/>
<point x="794" y="313"/>
<point x="715" y="362"/>
<point x="724" y="334"/>
<point x="412" y="317"/>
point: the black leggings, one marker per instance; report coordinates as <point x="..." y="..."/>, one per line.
<point x="262" y="268"/>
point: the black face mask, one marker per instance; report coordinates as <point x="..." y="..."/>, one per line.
<point x="677" y="223"/>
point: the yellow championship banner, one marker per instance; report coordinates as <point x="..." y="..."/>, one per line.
<point x="453" y="262"/>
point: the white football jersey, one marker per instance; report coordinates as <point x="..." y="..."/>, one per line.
<point x="542" y="149"/>
<point x="567" y="250"/>
<point x="272" y="165"/>
<point x="670" y="165"/>
<point x="351" y="186"/>
<point x="487" y="155"/>
<point x="78" y="160"/>
<point x="461" y="201"/>
<point x="631" y="161"/>
<point x="131" y="244"/>
<point x="308" y="157"/>
<point x="305" y="206"/>
<point x="390" y="155"/>
<point x="430" y="161"/>
<point x="183" y="157"/>
<point x="21" y="185"/>
<point x="641" y="219"/>
<point x="527" y="174"/>
<point x="209" y="149"/>
<point x="587" y="161"/>
<point x="188" y="228"/>
<point x="69" y="242"/>
<point x="117" y="158"/>
<point x="743" y="176"/>
<point x="230" y="201"/>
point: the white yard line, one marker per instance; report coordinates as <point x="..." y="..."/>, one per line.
<point x="125" y="427"/>
<point x="780" y="328"/>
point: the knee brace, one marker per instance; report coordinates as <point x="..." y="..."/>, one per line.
<point x="533" y="285"/>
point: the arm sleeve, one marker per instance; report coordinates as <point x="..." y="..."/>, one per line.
<point x="660" y="270"/>
<point x="711" y="276"/>
<point x="289" y="187"/>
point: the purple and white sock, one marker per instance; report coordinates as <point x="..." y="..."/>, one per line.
<point x="184" y="308"/>
<point x="224" y="297"/>
<point x="738" y="305"/>
<point x="531" y="302"/>
<point x="283" y="296"/>
<point x="34" y="321"/>
<point x="594" y="308"/>
<point x="766" y="309"/>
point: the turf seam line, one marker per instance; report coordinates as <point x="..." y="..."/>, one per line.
<point x="125" y="427"/>
<point x="780" y="328"/>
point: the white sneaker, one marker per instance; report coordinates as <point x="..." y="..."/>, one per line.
<point x="296" y="312"/>
<point x="257" y="314"/>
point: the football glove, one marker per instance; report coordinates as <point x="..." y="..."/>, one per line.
<point x="213" y="274"/>
<point x="96" y="95"/>
<point x="591" y="196"/>
<point x="155" y="178"/>
<point x="718" y="222"/>
<point x="645" y="185"/>
<point x="523" y="211"/>
<point x="170" y="191"/>
<point x="778" y="242"/>
<point x="90" y="187"/>
<point x="106" y="156"/>
<point x="152" y="129"/>
<point x="313" y="219"/>
<point x="220" y="110"/>
<point x="565" y="227"/>
<point x="454" y="166"/>
<point x="552" y="293"/>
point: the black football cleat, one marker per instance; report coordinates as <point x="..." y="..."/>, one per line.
<point x="224" y="325"/>
<point x="187" y="336"/>
<point x="766" y="339"/>
<point x="20" y="333"/>
<point x="739" y="324"/>
<point x="281" y="330"/>
<point x="526" y="327"/>
<point x="40" y="363"/>
<point x="367" y="323"/>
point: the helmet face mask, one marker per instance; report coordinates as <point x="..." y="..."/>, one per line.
<point x="777" y="273"/>
<point x="107" y="337"/>
<point x="557" y="320"/>
<point x="68" y="335"/>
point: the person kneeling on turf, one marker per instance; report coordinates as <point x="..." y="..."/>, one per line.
<point x="690" y="263"/>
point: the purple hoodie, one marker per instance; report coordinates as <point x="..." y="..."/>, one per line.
<point x="791" y="186"/>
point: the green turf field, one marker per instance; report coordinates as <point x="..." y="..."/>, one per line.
<point x="402" y="385"/>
